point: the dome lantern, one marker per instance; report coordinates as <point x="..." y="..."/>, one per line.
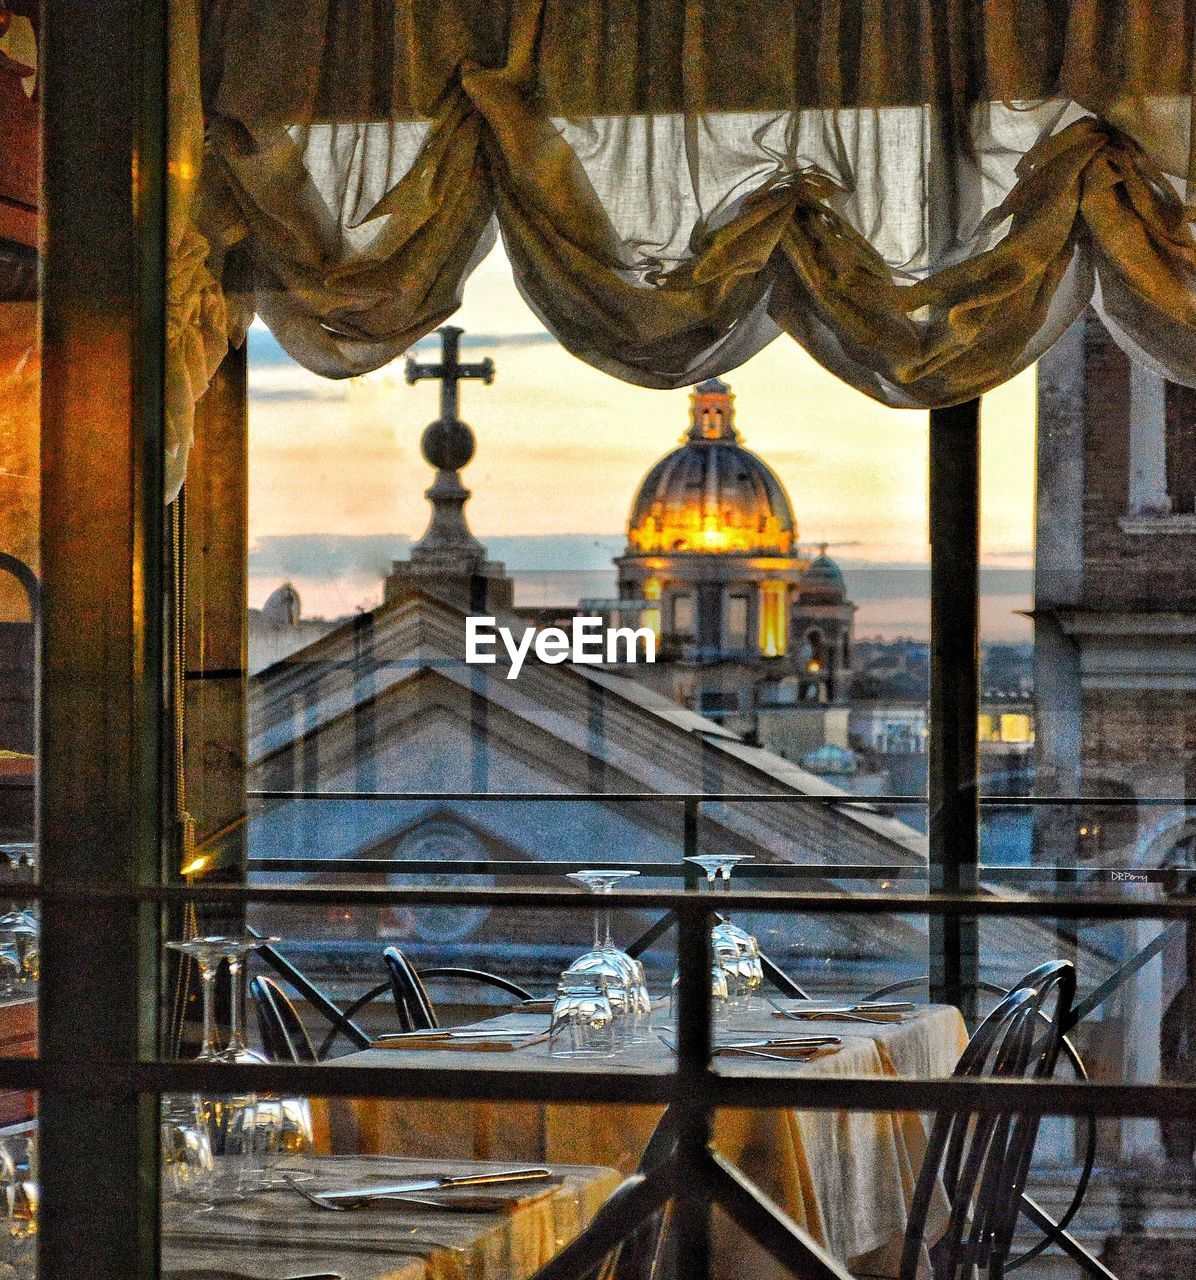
<point x="711" y="494"/>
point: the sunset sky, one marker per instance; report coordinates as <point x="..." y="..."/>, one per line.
<point x="337" y="479"/>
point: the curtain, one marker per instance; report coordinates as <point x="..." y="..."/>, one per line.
<point x="923" y="193"/>
<point x="196" y="318"/>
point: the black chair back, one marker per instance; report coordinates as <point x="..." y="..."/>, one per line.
<point x="983" y="1160"/>
<point x="284" y="1036"/>
<point x="412" y="1004"/>
<point x="645" y="1254"/>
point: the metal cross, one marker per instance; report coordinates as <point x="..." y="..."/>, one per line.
<point x="450" y="371"/>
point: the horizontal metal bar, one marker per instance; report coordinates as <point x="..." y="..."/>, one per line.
<point x="1022" y="907"/>
<point x="668" y="870"/>
<point x="717" y="797"/>
<point x="770" y="1088"/>
<point x="537" y="897"/>
<point x="595" y="797"/>
<point x="561" y="867"/>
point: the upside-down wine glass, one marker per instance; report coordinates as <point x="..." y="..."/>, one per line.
<point x="603" y="1003"/>
<point x="734" y="948"/>
<point x="238" y="1141"/>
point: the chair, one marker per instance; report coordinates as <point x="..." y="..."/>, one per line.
<point x="983" y="1160"/>
<point x="641" y="1255"/>
<point x="1044" y="975"/>
<point x="412" y="1002"/>
<point x="284" y="1036"/>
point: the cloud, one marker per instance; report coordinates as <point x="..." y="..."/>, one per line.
<point x="326" y="555"/>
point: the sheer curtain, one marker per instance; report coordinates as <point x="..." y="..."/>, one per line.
<point x="923" y="193"/>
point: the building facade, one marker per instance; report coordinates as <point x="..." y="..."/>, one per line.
<point x="746" y="618"/>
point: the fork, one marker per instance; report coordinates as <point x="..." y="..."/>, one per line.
<point x="834" y="1015"/>
<point x="343" y="1206"/>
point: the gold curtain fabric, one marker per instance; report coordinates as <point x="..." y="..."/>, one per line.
<point x="923" y="193"/>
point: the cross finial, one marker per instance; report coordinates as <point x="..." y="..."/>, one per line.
<point x="450" y="371"/>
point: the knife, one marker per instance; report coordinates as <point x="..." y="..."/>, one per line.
<point x="460" y="1033"/>
<point x="440" y="1183"/>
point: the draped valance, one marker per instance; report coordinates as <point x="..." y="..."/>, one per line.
<point x="923" y="193"/>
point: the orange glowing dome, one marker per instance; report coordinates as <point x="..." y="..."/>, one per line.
<point x="711" y="494"/>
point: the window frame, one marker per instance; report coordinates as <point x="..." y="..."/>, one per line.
<point x="104" y="793"/>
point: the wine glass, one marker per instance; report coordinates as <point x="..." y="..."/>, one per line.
<point x="187" y="1167"/>
<point x="611" y="968"/>
<point x="232" y="1121"/>
<point x="21" y="927"/>
<point x="584" y="1022"/>
<point x="734" y="948"/>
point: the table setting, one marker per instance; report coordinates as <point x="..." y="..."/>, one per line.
<point x="468" y="1218"/>
<point x="846" y="1177"/>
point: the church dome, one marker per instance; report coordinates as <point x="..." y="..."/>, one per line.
<point x="823" y="580"/>
<point x="711" y="494"/>
<point x="282" y="607"/>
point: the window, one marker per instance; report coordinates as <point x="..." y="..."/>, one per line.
<point x="683" y="617"/>
<point x="250" y="720"/>
<point x="737" y="622"/>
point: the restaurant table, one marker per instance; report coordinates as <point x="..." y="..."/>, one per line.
<point x="18" y="1039"/>
<point x="278" y="1233"/>
<point x="847" y="1178"/>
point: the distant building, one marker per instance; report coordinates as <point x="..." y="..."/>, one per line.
<point x="279" y="629"/>
<point x="747" y="619"/>
<point x="1115" y="668"/>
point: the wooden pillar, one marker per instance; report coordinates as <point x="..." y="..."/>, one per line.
<point x="216" y="520"/>
<point x="100" y="800"/>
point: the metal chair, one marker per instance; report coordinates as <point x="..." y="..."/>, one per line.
<point x="601" y="1252"/>
<point x="412" y="1002"/>
<point x="1053" y="1232"/>
<point x="284" y="1037"/>
<point x="982" y="1160"/>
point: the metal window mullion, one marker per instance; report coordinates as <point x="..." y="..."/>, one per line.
<point x="103" y="315"/>
<point x="954" y="815"/>
<point x="692" y="1183"/>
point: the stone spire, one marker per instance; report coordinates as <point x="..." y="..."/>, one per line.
<point x="448" y="560"/>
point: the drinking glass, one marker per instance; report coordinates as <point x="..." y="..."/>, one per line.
<point x="10" y="965"/>
<point x="734" y="948"/>
<point x="718" y="992"/>
<point x="609" y="967"/>
<point x="21" y="1150"/>
<point x="22" y="928"/>
<point x="187" y="1168"/>
<point x="584" y="1023"/>
<point x="284" y="1141"/>
<point x="240" y="1151"/>
<point x="18" y="1206"/>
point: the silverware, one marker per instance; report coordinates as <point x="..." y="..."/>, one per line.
<point x="881" y="1012"/>
<point x="783" y="1042"/>
<point x="221" y="1273"/>
<point x="768" y="1042"/>
<point x="745" y="1052"/>
<point x="351" y="1199"/>
<point x="460" y="1033"/>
